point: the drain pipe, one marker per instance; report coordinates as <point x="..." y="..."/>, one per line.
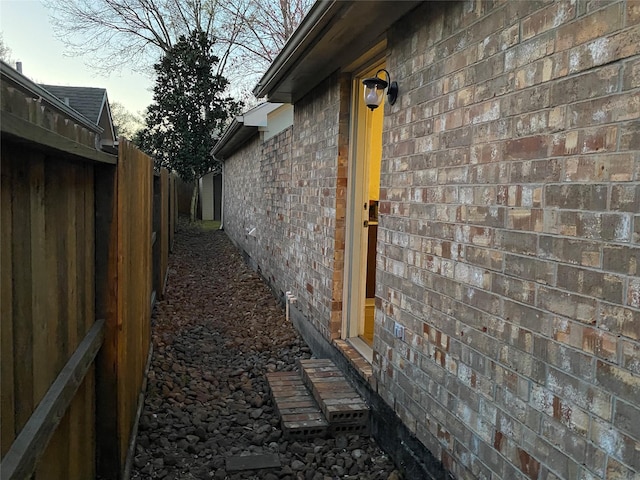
<point x="222" y="199"/>
<point x="290" y="299"/>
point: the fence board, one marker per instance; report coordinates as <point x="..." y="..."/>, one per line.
<point x="75" y="221"/>
<point x="47" y="244"/>
<point x="164" y="228"/>
<point x="86" y="415"/>
<point x="47" y="257"/>
<point x="107" y="446"/>
<point x="60" y="242"/>
<point x="21" y="292"/>
<point x="7" y="405"/>
<point x="135" y="213"/>
<point x="173" y="209"/>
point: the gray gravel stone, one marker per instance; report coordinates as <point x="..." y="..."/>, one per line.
<point x="216" y="333"/>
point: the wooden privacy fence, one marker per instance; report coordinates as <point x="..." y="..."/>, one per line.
<point x="78" y="260"/>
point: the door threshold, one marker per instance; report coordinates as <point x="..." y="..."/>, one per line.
<point x="362" y="348"/>
<point x="360" y="359"/>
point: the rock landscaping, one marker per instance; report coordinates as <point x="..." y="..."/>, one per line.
<point x="208" y="411"/>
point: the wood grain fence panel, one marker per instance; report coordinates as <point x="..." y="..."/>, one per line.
<point x="164" y="228"/>
<point x="51" y="244"/>
<point x="87" y="448"/>
<point x="49" y="214"/>
<point x="108" y="445"/>
<point x="135" y="214"/>
<point x="22" y="291"/>
<point x="173" y="209"/>
<point x="7" y="404"/>
<point x="47" y="296"/>
<point x="25" y="452"/>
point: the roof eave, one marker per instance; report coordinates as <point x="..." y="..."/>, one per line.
<point x="293" y="49"/>
<point x="330" y="38"/>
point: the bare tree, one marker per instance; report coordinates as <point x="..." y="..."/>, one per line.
<point x="126" y="123"/>
<point x="5" y="51"/>
<point x="136" y="33"/>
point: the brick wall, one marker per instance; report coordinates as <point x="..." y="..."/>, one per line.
<point x="243" y="206"/>
<point x="292" y="189"/>
<point x="314" y="190"/>
<point x="274" y="180"/>
<point x="509" y="237"/>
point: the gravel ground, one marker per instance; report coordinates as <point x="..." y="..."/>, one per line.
<point x="215" y="335"/>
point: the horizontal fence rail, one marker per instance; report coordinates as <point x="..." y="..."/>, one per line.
<point x="21" y="460"/>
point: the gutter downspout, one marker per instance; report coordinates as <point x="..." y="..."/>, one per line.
<point x="222" y="198"/>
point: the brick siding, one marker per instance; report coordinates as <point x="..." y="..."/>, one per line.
<point x="509" y="235"/>
<point x="295" y="206"/>
<point x="508" y="239"/>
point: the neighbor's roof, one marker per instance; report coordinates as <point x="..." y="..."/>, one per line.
<point x="331" y="37"/>
<point x="88" y="101"/>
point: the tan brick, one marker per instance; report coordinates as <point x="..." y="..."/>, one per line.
<point x="633" y="12"/>
<point x="530" y="268"/>
<point x="618" y="471"/>
<point x="616" y="444"/>
<point x="484" y="257"/>
<point x="603" y="50"/>
<point x="545" y="170"/>
<point x="591" y="283"/>
<point x="633" y="293"/>
<point x="625" y="197"/>
<point x="617" y="167"/>
<point x="601" y="82"/>
<point x="597" y="401"/>
<point x="576" y="196"/>
<point x="514" y="288"/>
<point x="621" y="259"/>
<point x="570" y="251"/>
<point x="630" y="136"/>
<point x="525" y="219"/>
<point x="516" y="242"/>
<point x="630" y="356"/>
<point x="613" y="108"/>
<point x="566" y="304"/>
<point x="594" y="25"/>
<point x="530" y="51"/>
<point x="631" y="75"/>
<point x="618" y="381"/>
<point x="531" y="123"/>
<point x="548" y="18"/>
<point x="620" y="320"/>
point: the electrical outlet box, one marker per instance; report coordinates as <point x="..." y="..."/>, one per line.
<point x="398" y="331"/>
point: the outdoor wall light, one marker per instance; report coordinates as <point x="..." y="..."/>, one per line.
<point x="374" y="89"/>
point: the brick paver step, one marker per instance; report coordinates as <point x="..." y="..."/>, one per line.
<point x="338" y="400"/>
<point x="300" y="416"/>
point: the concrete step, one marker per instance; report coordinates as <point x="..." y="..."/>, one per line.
<point x="341" y="405"/>
<point x="300" y="416"/>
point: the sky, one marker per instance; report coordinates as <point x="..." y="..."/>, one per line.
<point x="27" y="31"/>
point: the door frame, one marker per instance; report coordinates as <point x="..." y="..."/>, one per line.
<point x="356" y="238"/>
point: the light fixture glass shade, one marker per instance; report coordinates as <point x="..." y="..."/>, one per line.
<point x="373" y="96"/>
<point x="375" y="87"/>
